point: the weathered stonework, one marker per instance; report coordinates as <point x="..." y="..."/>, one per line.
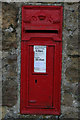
<point x="11" y="42"/>
<point x="9" y="47"/>
<point x="9" y="93"/>
<point x="9" y="14"/>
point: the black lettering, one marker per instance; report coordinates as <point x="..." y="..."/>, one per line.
<point x="41" y="59"/>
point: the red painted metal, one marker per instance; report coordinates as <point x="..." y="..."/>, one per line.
<point x="41" y="92"/>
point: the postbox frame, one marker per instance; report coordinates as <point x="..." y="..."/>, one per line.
<point x="55" y="42"/>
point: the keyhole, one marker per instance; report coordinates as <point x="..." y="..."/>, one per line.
<point x="35" y="81"/>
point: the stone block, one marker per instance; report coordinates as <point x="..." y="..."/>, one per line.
<point x="9" y="41"/>
<point x="9" y="15"/>
<point x="9" y="96"/>
<point x="67" y="99"/>
<point x="70" y="113"/>
<point x="72" y="72"/>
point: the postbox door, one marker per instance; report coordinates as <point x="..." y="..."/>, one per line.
<point x="41" y="82"/>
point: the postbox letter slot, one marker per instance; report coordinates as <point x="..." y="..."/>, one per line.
<point x="41" y="31"/>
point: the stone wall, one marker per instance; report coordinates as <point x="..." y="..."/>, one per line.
<point x="11" y="42"/>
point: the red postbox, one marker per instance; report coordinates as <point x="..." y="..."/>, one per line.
<point x="41" y="53"/>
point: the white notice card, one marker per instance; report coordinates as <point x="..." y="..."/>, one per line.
<point x="40" y="59"/>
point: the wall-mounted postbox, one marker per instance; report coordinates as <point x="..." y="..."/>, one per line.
<point x="41" y="51"/>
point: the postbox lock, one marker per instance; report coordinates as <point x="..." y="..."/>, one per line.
<point x="36" y="81"/>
